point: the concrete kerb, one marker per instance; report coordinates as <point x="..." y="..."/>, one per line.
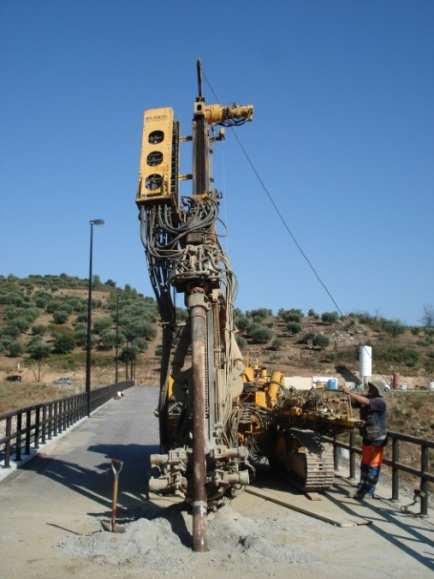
<point x="14" y="466"/>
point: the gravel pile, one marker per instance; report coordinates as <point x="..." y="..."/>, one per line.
<point x="163" y="543"/>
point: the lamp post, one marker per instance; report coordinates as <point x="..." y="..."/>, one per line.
<point x="89" y="315"/>
<point x="117" y="340"/>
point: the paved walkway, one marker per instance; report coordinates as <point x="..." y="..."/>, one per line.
<point x="66" y="491"/>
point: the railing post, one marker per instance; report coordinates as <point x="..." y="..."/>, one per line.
<point x="70" y="420"/>
<point x="37" y="425"/>
<point x="28" y="429"/>
<point x="55" y="418"/>
<point x="50" y="421"/>
<point x="60" y="416"/>
<point x="8" y="441"/>
<point x="18" y="437"/>
<point x="44" y="424"/>
<point x="424" y="467"/>
<point x="395" y="470"/>
<point x="352" y="455"/>
<point x="335" y="453"/>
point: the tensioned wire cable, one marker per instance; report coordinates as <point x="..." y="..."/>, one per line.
<point x="277" y="210"/>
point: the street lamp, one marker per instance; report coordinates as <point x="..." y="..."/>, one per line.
<point x="89" y="315"/>
<point x="117" y="339"/>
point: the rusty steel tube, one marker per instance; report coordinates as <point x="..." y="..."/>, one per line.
<point x="198" y="313"/>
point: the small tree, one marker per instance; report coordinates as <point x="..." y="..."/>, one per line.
<point x="107" y="340"/>
<point x="38" y="352"/>
<point x="321" y="341"/>
<point x="276" y="344"/>
<point x="242" y="342"/>
<point x="102" y="324"/>
<point x="14" y="349"/>
<point x="243" y="323"/>
<point x="393" y="327"/>
<point x="428" y="316"/>
<point x="60" y="316"/>
<point x="80" y="335"/>
<point x="259" y="334"/>
<point x="329" y="317"/>
<point x="39" y="330"/>
<point x="128" y="357"/>
<point x="293" y="328"/>
<point x="63" y="344"/>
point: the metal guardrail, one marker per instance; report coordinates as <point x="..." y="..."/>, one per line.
<point x="26" y="428"/>
<point x="394" y="439"/>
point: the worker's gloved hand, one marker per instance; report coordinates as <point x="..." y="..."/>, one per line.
<point x="345" y="388"/>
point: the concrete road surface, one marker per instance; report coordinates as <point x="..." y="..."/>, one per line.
<point x="62" y="495"/>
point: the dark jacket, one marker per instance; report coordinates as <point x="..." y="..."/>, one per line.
<point x="374" y="415"/>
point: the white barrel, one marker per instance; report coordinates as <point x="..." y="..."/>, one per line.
<point x="365" y="362"/>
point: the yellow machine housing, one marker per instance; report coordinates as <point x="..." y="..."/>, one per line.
<point x="158" y="179"/>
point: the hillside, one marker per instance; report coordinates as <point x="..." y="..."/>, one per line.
<point x="43" y="332"/>
<point x="303" y="344"/>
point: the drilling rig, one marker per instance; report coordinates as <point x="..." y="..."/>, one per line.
<point x="201" y="367"/>
<point x="215" y="415"/>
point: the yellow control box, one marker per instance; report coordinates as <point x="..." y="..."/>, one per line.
<point x="158" y="178"/>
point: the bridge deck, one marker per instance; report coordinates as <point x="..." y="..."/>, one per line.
<point x="63" y="493"/>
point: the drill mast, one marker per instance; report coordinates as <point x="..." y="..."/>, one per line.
<point x="201" y="364"/>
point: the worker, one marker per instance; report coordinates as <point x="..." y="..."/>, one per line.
<point x="373" y="412"/>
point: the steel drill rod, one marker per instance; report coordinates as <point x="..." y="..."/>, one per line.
<point x="198" y="334"/>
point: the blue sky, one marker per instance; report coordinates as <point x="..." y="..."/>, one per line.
<point x="343" y="137"/>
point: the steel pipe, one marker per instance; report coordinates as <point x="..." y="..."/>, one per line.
<point x="198" y="313"/>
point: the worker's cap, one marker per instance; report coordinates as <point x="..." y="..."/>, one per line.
<point x="379" y="385"/>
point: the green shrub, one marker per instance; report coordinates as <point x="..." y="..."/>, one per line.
<point x="140" y="344"/>
<point x="415" y="330"/>
<point x="14" y="349"/>
<point x="139" y="329"/>
<point x="394" y="355"/>
<point x="243" y="324"/>
<point x="39" y="330"/>
<point x="276" y="344"/>
<point x="81" y="317"/>
<point x="307" y="338"/>
<point x="107" y="340"/>
<point x="80" y="335"/>
<point x="22" y="324"/>
<point x="392" y="327"/>
<point x="53" y="306"/>
<point x="102" y="324"/>
<point x="128" y="354"/>
<point x="312" y="314"/>
<point x="63" y="344"/>
<point x="259" y="334"/>
<point x="41" y="299"/>
<point x="11" y="330"/>
<point x="60" y="316"/>
<point x="329" y="317"/>
<point x="293" y="328"/>
<point x="321" y="341"/>
<point x="292" y="315"/>
<point x="260" y="314"/>
<point x="37" y="349"/>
